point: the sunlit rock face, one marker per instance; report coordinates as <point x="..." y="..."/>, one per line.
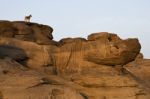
<point x="75" y="54"/>
<point x="41" y="34"/>
<point x="103" y="66"/>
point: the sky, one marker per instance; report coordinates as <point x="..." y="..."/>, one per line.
<point x="79" y="18"/>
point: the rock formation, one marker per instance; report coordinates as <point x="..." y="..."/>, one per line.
<point x="103" y="66"/>
<point x="41" y="34"/>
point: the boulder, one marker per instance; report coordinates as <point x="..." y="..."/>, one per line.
<point x="115" y="53"/>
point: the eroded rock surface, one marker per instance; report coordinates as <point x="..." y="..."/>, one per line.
<point x="107" y="49"/>
<point x="103" y="66"/>
<point x="41" y="34"/>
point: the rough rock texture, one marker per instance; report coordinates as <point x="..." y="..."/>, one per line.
<point x="108" y="49"/>
<point x="139" y="70"/>
<point x="103" y="66"/>
<point x="41" y="34"/>
<point x="36" y="55"/>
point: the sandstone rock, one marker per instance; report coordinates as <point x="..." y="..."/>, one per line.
<point x="31" y="84"/>
<point x="12" y="52"/>
<point x="102" y="67"/>
<point x="37" y="55"/>
<point x="34" y="32"/>
<point x="119" y="53"/>
<point x="71" y="40"/>
<point x="6" y="29"/>
<point x="43" y="92"/>
<point x="76" y="54"/>
<point x="103" y="35"/>
<point x="105" y="81"/>
<point x="139" y="70"/>
<point x="139" y="57"/>
<point x="1" y="95"/>
<point x="39" y="32"/>
<point x="9" y="66"/>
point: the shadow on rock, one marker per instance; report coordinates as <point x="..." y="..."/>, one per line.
<point x="14" y="53"/>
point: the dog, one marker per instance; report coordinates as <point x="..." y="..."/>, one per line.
<point x="27" y="18"/>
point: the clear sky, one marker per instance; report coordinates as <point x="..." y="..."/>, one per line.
<point x="79" y="18"/>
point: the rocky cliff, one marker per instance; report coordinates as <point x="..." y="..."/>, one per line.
<point x="103" y="66"/>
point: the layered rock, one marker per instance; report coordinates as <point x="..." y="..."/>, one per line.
<point x="107" y="49"/>
<point x="139" y="70"/>
<point x="33" y="55"/>
<point x="41" y="34"/>
<point x="103" y="66"/>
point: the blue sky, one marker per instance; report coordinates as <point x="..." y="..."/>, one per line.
<point x="79" y="18"/>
